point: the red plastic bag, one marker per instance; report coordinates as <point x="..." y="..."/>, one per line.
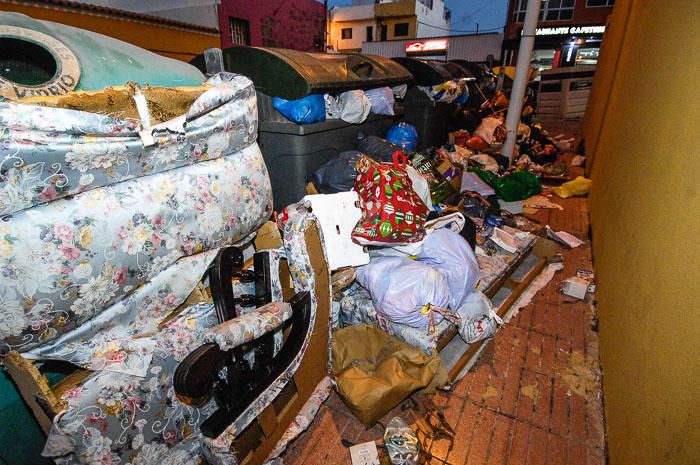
<point x="392" y="212"/>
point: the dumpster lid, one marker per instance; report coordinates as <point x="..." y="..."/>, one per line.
<point x="292" y="74"/>
<point x="425" y="73"/>
<point x="477" y="69"/>
<point x="457" y="71"/>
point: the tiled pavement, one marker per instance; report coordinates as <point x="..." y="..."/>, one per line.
<point x="532" y="398"/>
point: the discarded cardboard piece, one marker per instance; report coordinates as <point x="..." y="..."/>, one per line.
<point x="375" y="371"/>
<point x="539" y="201"/>
<point x="338" y="214"/>
<point x="364" y="454"/>
<point x="504" y="240"/>
<point x="575" y="287"/>
<point x="563" y="238"/>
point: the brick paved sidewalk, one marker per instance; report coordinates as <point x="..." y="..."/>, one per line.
<point x="533" y="398"/>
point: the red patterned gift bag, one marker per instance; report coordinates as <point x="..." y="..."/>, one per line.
<point x="392" y="212"/>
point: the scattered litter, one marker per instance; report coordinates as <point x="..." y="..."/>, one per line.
<point x="538" y="283"/>
<point x="584" y="274"/>
<point x="512" y="207"/>
<point x="364" y="454"/>
<point x="588" y="276"/>
<point x="530" y="391"/>
<point x="581" y="376"/>
<point x="555" y="171"/>
<point x="491" y="392"/>
<point x="538" y="201"/>
<point x="562" y="144"/>
<point x="578" y="160"/>
<point x="401" y="443"/>
<point x="575" y="287"/>
<point x="564" y="238"/>
<point x="430" y="425"/>
<point x="504" y="240"/>
<point x="486" y="162"/>
<point x="577" y="187"/>
<point x="521" y="222"/>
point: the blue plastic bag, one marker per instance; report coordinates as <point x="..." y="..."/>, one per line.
<point x="464" y="95"/>
<point x="403" y="134"/>
<point x="309" y="109"/>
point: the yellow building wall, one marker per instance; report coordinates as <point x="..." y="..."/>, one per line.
<point x="645" y="214"/>
<point x="172" y="42"/>
<point x="603" y="82"/>
<point x="390" y="22"/>
<point x="401" y="8"/>
<point x="359" y="34"/>
<point x="397" y="12"/>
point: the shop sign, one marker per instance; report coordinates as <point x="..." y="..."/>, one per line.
<point x="569" y="30"/>
<point x="427" y="46"/>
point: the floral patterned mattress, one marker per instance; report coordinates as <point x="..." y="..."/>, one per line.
<point x="121" y="418"/>
<point x="92" y="218"/>
<point x="102" y="235"/>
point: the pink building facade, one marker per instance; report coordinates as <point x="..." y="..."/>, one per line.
<point x="295" y="24"/>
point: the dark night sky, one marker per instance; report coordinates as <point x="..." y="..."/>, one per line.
<point x="490" y="14"/>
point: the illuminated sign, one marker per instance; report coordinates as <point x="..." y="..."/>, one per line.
<point x="425" y="46"/>
<point x="569" y="30"/>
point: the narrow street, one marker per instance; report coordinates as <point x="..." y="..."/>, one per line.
<point x="533" y="397"/>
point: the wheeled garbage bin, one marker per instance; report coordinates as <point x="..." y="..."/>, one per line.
<point x="293" y="151"/>
<point x="429" y="117"/>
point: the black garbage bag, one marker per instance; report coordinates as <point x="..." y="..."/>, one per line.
<point x="539" y="147"/>
<point x="338" y="174"/>
<point x="477" y="206"/>
<point x="379" y="149"/>
<point x="468" y="231"/>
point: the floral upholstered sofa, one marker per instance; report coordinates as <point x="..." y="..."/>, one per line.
<point x="108" y="225"/>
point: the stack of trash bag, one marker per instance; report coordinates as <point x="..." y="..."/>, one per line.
<point x="421" y="216"/>
<point x="352" y="106"/>
<point x="422" y="265"/>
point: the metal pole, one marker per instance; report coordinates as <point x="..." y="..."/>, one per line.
<point x="522" y="70"/>
<point x="324" y="46"/>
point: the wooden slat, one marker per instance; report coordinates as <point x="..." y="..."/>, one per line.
<point x="504" y="281"/>
<point x="34" y="389"/>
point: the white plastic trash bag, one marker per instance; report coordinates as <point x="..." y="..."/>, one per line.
<point x="382" y="100"/>
<point x="524" y="131"/>
<point x="400" y="90"/>
<point x="451" y="255"/>
<point x="486" y="162"/>
<point x="487" y="129"/>
<point x="333" y="109"/>
<point x="478" y="318"/>
<point x="420" y="186"/>
<point x="352" y="106"/>
<point x="401" y="287"/>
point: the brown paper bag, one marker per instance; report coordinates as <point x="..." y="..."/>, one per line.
<point x="375" y="371"/>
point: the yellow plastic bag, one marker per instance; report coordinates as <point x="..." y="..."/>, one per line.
<point x="578" y="186"/>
